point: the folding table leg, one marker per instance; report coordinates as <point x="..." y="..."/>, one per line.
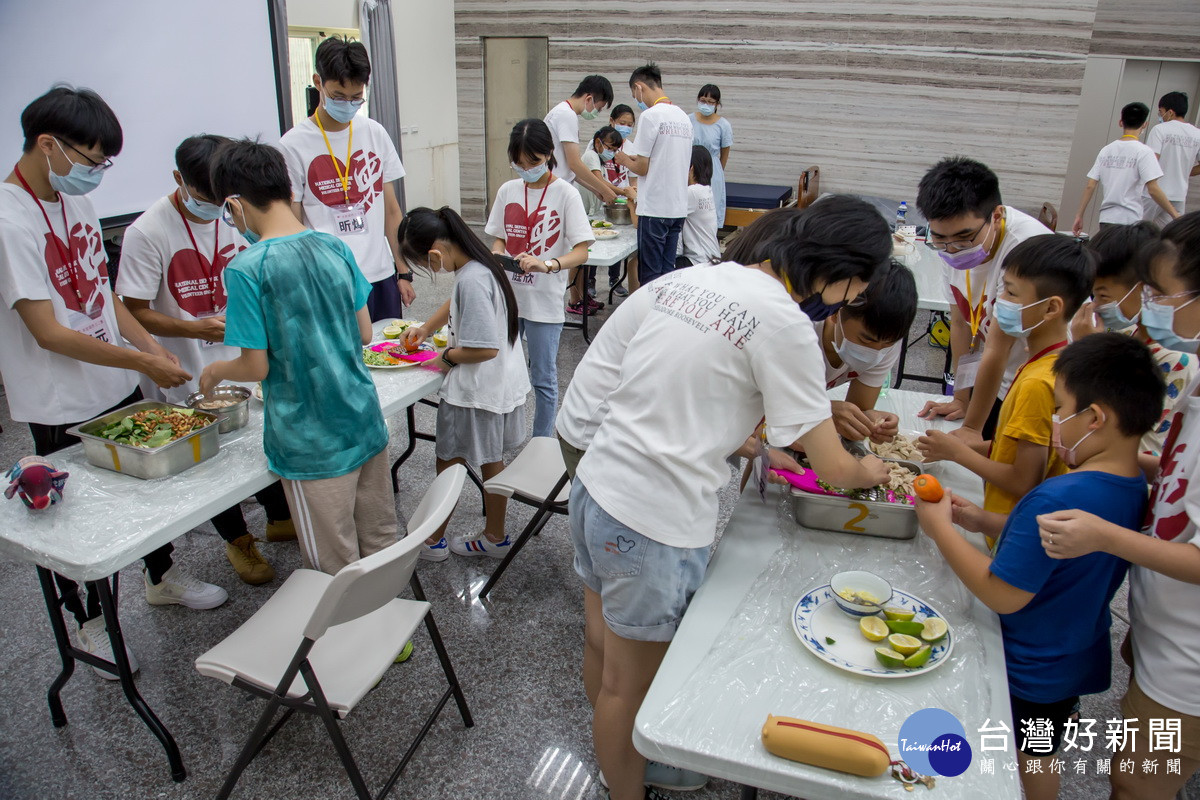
<point x="108" y="606"/>
<point x="620" y="279"/>
<point x="413" y="436"/>
<point x="54" y="606"/>
<point x="749" y="793"/>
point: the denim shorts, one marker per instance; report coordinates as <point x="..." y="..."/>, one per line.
<point x="644" y="585"/>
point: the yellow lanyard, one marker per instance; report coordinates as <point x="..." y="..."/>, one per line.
<point x="344" y="177"/>
<point x="976" y="311"/>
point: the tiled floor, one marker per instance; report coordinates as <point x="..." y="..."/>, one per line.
<point x="519" y="659"/>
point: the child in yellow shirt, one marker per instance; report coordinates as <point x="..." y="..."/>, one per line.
<point x="1046" y="279"/>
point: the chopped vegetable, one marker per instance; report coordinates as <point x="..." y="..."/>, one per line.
<point x="154" y="427"/>
<point x="830" y="640"/>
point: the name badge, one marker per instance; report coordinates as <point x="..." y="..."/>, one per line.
<point x="96" y="328"/>
<point x="968" y="369"/>
<point x="205" y="343"/>
<point x="351" y="219"/>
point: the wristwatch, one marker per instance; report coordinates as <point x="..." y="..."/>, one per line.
<point x="405" y="276"/>
<point x="446" y="358"/>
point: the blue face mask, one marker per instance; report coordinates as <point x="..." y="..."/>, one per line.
<point x="342" y="110"/>
<point x="80" y="180"/>
<point x="705" y="109"/>
<point x="532" y="175"/>
<point x="625" y="130"/>
<point x="199" y="208"/>
<point x="815" y="307"/>
<point x="642" y="106"/>
<point x="1159" y="321"/>
<point x="227" y="217"/>
<point x="607" y="155"/>
<point x="1008" y="317"/>
<point x="1111" y="315"/>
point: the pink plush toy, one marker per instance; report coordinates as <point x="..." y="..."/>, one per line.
<point x="37" y="482"/>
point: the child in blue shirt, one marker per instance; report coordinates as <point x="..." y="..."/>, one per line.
<point x="297" y="308"/>
<point x="1054" y="614"/>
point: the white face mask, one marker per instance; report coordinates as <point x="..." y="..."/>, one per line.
<point x="858" y="357"/>
<point x="1067" y="454"/>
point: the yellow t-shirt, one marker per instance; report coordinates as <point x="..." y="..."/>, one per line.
<point x="1025" y="414"/>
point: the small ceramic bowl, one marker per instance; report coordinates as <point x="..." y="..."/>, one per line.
<point x="859" y="581"/>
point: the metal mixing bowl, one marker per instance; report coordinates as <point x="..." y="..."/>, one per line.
<point x="232" y="417"/>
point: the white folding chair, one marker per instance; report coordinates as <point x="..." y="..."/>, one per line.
<point x="321" y="642"/>
<point x="536" y="477"/>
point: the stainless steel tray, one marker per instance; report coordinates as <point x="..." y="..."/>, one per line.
<point x="140" y="462"/>
<point x="843" y="515"/>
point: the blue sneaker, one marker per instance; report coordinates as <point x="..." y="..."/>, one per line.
<point x="435" y="552"/>
<point x="481" y="546"/>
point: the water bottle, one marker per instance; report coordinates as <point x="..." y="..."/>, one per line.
<point x="887" y="384"/>
<point x="901" y="212"/>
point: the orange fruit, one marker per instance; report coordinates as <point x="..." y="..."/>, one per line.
<point x="928" y="489"/>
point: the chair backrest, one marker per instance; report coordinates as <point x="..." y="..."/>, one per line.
<point x="810" y="187"/>
<point x="372" y="582"/>
<point x="1048" y="216"/>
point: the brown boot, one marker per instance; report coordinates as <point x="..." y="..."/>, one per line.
<point x="247" y="562"/>
<point x="282" y="531"/>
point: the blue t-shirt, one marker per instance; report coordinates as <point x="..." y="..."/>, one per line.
<point x="1058" y="645"/>
<point x="296" y="297"/>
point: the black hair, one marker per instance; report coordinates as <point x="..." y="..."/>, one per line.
<point x="341" y="60"/>
<point x="1134" y="115"/>
<point x="193" y="159"/>
<point x="531" y="138"/>
<point x="710" y="90"/>
<point x="421" y="227"/>
<point x="1174" y="101"/>
<point x="956" y="186"/>
<point x="1116" y="371"/>
<point x="650" y="75"/>
<point x="1116" y="249"/>
<point x="1057" y="266"/>
<point x="608" y="135"/>
<point x="836" y="239"/>
<point x="1179" y="241"/>
<point x="702" y="165"/>
<point x="891" y="303"/>
<point x="619" y="110"/>
<point x="77" y="116"/>
<point x="597" y="86"/>
<point x="249" y="168"/>
<point x="745" y="243"/>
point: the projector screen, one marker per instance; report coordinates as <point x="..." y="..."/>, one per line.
<point x="168" y="69"/>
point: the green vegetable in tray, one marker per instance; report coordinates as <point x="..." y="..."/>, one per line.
<point x="154" y="427"/>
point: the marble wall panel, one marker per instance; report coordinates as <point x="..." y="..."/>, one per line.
<point x="874" y="93"/>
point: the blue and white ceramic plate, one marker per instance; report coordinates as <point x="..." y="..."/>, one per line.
<point x="817" y="618"/>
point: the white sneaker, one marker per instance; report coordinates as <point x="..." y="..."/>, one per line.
<point x="93" y="638"/>
<point x="481" y="546"/>
<point x="184" y="590"/>
<point x="435" y="552"/>
<point x="664" y="776"/>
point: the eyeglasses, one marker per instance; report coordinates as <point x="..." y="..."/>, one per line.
<point x="95" y="166"/>
<point x="1148" y="295"/>
<point x="957" y="244"/>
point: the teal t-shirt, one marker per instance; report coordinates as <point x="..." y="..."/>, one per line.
<point x="296" y="297"/>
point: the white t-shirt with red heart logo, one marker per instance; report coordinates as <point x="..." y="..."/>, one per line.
<point x="44" y="387"/>
<point x="160" y="264"/>
<point x="545" y="223"/>
<point x="317" y="187"/>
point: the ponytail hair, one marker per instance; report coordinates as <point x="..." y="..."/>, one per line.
<point x="421" y="227"/>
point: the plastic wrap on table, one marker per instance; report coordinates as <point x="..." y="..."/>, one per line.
<point x="108" y="520"/>
<point x="757" y="665"/>
<point x="789" y="680"/>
